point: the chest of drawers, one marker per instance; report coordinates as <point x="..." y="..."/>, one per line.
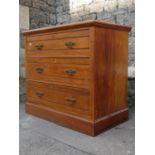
<point x="76" y="75"/>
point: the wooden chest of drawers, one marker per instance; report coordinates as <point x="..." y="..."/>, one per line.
<point x="77" y="75"/>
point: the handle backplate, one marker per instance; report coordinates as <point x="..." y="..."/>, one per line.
<point x="39" y="70"/>
<point x="39" y="46"/>
<point x="69" y="44"/>
<point x="39" y="94"/>
<point x="70" y="100"/>
<point x="70" y="71"/>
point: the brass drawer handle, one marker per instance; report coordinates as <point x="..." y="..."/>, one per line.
<point x="39" y="46"/>
<point x="39" y="94"/>
<point x="69" y="44"/>
<point x="39" y="70"/>
<point x="70" y="100"/>
<point x="70" y="71"/>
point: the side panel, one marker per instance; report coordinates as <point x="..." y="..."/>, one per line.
<point x="111" y="65"/>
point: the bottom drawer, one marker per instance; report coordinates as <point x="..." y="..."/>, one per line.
<point x="65" y="99"/>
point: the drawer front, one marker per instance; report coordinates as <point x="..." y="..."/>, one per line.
<point x="59" y="60"/>
<point x="62" y="44"/>
<point x="68" y="74"/>
<point x="59" y="35"/>
<point x="58" y="97"/>
<point x="69" y="53"/>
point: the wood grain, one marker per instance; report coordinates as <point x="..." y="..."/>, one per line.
<point x="55" y="97"/>
<point x="111" y="64"/>
<point x="82" y="24"/>
<point x="59" y="60"/>
<point x="57" y="72"/>
<point x="80" y="43"/>
<point x="59" y="35"/>
<point x="69" y="53"/>
<point x="83" y="87"/>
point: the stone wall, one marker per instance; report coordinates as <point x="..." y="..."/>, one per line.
<point x="23" y="25"/>
<point x="56" y="12"/>
<point x="42" y="12"/>
<point x="131" y="92"/>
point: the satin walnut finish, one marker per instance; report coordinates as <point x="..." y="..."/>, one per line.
<point x="77" y="75"/>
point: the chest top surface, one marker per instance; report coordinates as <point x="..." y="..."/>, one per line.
<point x="82" y="24"/>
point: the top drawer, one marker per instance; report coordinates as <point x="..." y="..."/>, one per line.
<point x="59" y="35"/>
<point x="67" y="43"/>
<point x="71" y="43"/>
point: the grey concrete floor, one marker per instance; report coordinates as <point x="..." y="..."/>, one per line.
<point x="40" y="137"/>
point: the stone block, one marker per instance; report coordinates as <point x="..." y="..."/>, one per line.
<point x="52" y="19"/>
<point x="86" y="10"/>
<point x="131" y="72"/>
<point x="80" y="14"/>
<point x="59" y="2"/>
<point x="78" y="3"/>
<point x="79" y="9"/>
<point x="131" y="92"/>
<point x="95" y="7"/>
<point x="130" y="19"/>
<point x="37" y="17"/>
<point x="21" y="39"/>
<point x="21" y="52"/>
<point x="120" y="11"/>
<point x="63" y="6"/>
<point x="42" y="5"/>
<point x="22" y="72"/>
<point x="21" y="62"/>
<point x="131" y="41"/>
<point x="91" y="16"/>
<point x="63" y="18"/>
<point x="131" y="50"/>
<point x="120" y="19"/>
<point x="26" y="2"/>
<point x="110" y="20"/>
<point x="59" y="9"/>
<point x="131" y="8"/>
<point x="132" y="32"/>
<point x="104" y="15"/>
<point x="23" y="17"/>
<point x="21" y="57"/>
<point x="22" y="90"/>
<point x="124" y="3"/>
<point x="131" y="59"/>
<point x="50" y="2"/>
<point x="43" y="24"/>
<point x="75" y="18"/>
<point x="110" y="5"/>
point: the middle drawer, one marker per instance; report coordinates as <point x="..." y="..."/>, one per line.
<point x="67" y="74"/>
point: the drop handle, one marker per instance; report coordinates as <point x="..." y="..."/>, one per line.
<point x="39" y="70"/>
<point x="70" y="44"/>
<point x="70" y="71"/>
<point x="70" y="100"/>
<point x="39" y="94"/>
<point x="39" y="46"/>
